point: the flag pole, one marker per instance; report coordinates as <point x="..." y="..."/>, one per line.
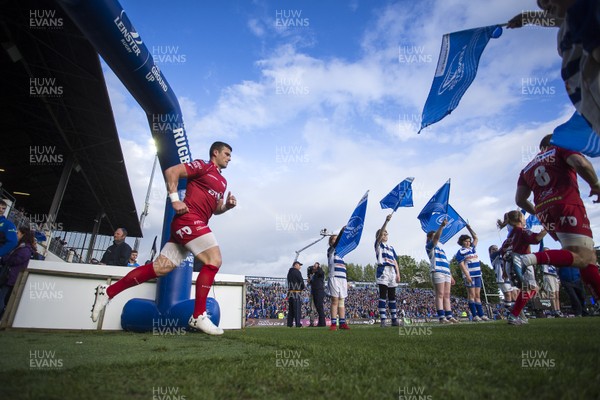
<point x="146" y="204"/>
<point x="323" y="233"/>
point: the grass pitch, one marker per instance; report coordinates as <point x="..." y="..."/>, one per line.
<point x="546" y="359"/>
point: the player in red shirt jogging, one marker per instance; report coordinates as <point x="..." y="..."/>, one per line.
<point x="552" y="177"/>
<point x="189" y="233"/>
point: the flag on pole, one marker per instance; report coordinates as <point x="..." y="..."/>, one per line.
<point x="454" y="225"/>
<point x="438" y="203"/>
<point x="577" y="135"/>
<point x="400" y="196"/>
<point x="456" y="70"/>
<point x="351" y="235"/>
<point x="153" y="251"/>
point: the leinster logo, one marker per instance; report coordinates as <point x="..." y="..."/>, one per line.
<point x="354" y="227"/>
<point x="455" y="73"/>
<point x="440" y="218"/>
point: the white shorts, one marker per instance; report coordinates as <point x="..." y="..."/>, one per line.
<point x="438" y="277"/>
<point x="550" y="283"/>
<point x="387" y="277"/>
<point x="176" y="253"/>
<point x="337" y="287"/>
<point x="506" y="287"/>
<point x="575" y="239"/>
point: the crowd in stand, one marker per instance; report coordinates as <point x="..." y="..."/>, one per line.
<point x="267" y="299"/>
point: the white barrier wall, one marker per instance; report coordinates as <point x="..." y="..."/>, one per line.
<point x="59" y="295"/>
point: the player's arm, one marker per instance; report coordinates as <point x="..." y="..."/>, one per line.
<point x="474" y="235"/>
<point x="541" y="18"/>
<point x="540" y="236"/>
<point x="228" y="204"/>
<point x="438" y="233"/>
<point x="522" y="199"/>
<point x="463" y="267"/>
<point x="339" y="237"/>
<point x="378" y="239"/>
<point x="585" y="169"/>
<point x="172" y="176"/>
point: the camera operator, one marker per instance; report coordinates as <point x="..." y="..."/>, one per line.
<point x="316" y="279"/>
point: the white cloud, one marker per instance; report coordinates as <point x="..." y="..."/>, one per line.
<point x="301" y="161"/>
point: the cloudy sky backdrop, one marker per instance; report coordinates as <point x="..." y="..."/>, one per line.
<point x="321" y="101"/>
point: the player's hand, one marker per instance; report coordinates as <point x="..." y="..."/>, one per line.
<point x="452" y="281"/>
<point x="469" y="280"/>
<point x="595" y="191"/>
<point x="516" y="21"/>
<point x="397" y="278"/>
<point x="180" y="207"/>
<point x="230" y="202"/>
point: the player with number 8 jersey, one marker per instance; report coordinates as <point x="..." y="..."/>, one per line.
<point x="552" y="177"/>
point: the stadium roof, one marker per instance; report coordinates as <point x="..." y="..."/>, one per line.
<point x="54" y="108"/>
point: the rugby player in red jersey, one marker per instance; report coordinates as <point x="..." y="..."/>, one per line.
<point x="552" y="177"/>
<point x="189" y="233"/>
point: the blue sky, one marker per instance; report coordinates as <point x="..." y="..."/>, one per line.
<point x="320" y="112"/>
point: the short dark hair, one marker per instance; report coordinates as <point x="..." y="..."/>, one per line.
<point x="218" y="146"/>
<point x="545" y="142"/>
<point x="3" y="203"/>
<point x="462" y="238"/>
<point x="123" y="229"/>
<point x="134" y="251"/>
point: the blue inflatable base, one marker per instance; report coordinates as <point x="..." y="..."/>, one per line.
<point x="142" y="315"/>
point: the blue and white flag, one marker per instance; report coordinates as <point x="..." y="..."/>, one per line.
<point x="577" y="135"/>
<point x="400" y="196"/>
<point x="456" y="70"/>
<point x="438" y="203"/>
<point x="354" y="227"/>
<point x="454" y="225"/>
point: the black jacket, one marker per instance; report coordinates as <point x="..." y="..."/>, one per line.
<point x="117" y="254"/>
<point x="317" y="281"/>
<point x="295" y="280"/>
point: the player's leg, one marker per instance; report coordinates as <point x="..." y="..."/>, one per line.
<point x="477" y="299"/>
<point x="438" y="289"/>
<point x="471" y="301"/>
<point x="166" y="261"/>
<point x="446" y="304"/>
<point x="343" y="293"/>
<point x="207" y="251"/>
<point x="334" y="311"/>
<point x="391" y="295"/>
<point x="382" y="303"/>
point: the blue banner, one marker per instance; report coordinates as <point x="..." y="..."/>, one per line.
<point x="108" y="28"/>
<point x="437" y="204"/>
<point x="353" y="231"/>
<point x="400" y="196"/>
<point x="455" y="223"/>
<point x="456" y="70"/>
<point x="577" y="135"/>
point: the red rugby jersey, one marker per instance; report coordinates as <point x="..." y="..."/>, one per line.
<point x="205" y="187"/>
<point x="551" y="179"/>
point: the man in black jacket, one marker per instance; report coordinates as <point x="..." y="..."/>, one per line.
<point x="316" y="278"/>
<point x="295" y="288"/>
<point x="117" y="253"/>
